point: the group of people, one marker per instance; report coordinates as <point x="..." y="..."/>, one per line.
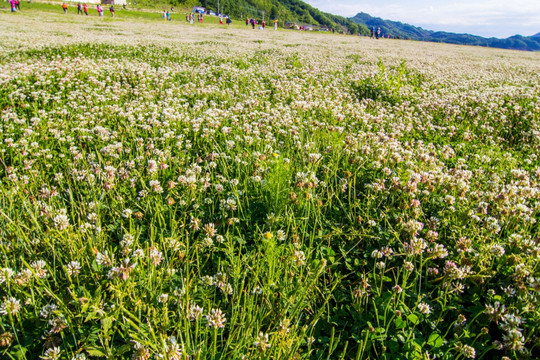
<point x="190" y="18"/>
<point x="15" y="5"/>
<point x="254" y="23"/>
<point x="166" y="15"/>
<point x="375" y="33"/>
<point x="83" y="8"/>
<point x="228" y="20"/>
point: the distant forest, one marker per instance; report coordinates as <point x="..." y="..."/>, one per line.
<point x="292" y="11"/>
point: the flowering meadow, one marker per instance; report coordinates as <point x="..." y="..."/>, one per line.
<point x="197" y="192"/>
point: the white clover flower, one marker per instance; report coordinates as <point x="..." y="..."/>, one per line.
<point x="126" y="213"/>
<point x="61" y="221"/>
<point x="409" y="266"/>
<point x="195" y="312"/>
<point x="513" y="340"/>
<point x="262" y="343"/>
<point x="156" y="186"/>
<point x="51" y="354"/>
<point x="123" y="270"/>
<point x="467" y="351"/>
<point x="424" y="308"/>
<point x="47" y="310"/>
<point x="216" y="318"/>
<point x="155" y="256"/>
<point x="257" y="290"/>
<point x="438" y="251"/>
<point x="73" y="268"/>
<point x="152" y="167"/>
<point x="10" y="306"/>
<point x="138" y="253"/>
<point x="299" y="258"/>
<point x="497" y="250"/>
<point x="6" y="274"/>
<point x="173" y="350"/>
<point x="39" y="269"/>
<point x="92" y="217"/>
<point x="104" y="259"/>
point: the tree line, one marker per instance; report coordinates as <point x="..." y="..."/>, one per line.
<point x="285" y="10"/>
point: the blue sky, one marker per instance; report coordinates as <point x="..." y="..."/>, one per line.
<point x="498" y="18"/>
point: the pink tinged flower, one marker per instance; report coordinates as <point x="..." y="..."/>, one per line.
<point x="216" y="318"/>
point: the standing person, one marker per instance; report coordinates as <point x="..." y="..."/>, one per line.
<point x="168" y="16"/>
<point x="378" y="33"/>
<point x="372" y="34"/>
<point x="79" y="9"/>
<point x="229" y="21"/>
<point x="220" y="19"/>
<point x="13" y="6"/>
<point x="275" y="24"/>
<point x="111" y="9"/>
<point x="100" y="10"/>
<point x="18" y="5"/>
<point x="253" y="23"/>
<point x="164" y="16"/>
<point x="247" y="21"/>
<point x="85" y="9"/>
<point x="202" y="18"/>
<point x="65" y="7"/>
<point x="264" y="24"/>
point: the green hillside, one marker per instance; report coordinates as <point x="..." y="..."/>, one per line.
<point x="292" y="11"/>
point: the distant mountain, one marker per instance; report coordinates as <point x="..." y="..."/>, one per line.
<point x="299" y="12"/>
<point x="406" y="31"/>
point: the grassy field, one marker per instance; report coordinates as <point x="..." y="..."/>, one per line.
<point x="147" y="10"/>
<point x="175" y="191"/>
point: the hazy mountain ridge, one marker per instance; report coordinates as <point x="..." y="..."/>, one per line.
<point x="406" y="31"/>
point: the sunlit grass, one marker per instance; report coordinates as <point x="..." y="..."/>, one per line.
<point x="182" y="191"/>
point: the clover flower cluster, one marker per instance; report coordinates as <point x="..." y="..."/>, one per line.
<point x="144" y="186"/>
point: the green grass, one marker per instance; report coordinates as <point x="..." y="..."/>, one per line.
<point x="227" y="197"/>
